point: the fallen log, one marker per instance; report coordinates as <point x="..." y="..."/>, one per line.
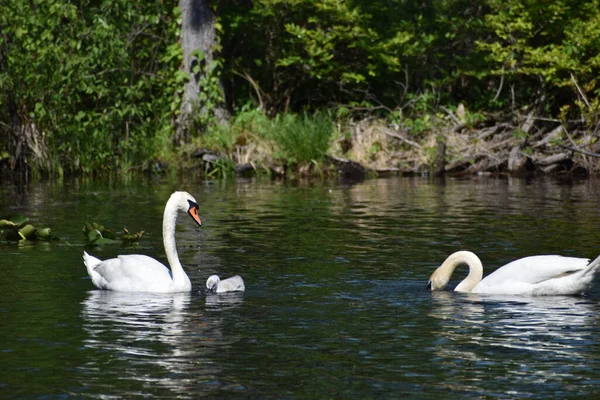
<point x="553" y="159"/>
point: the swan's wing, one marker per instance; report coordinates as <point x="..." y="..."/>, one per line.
<point x="529" y="271"/>
<point x="134" y="272"/>
<point x="233" y="284"/>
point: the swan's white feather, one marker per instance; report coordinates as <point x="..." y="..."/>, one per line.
<point x="530" y="274"/>
<point x="140" y="273"/>
<point x="233" y="284"/>
<point x="535" y="275"/>
<point x="135" y="273"/>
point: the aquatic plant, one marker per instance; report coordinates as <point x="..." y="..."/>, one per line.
<point x="15" y="228"/>
<point x="97" y="235"/>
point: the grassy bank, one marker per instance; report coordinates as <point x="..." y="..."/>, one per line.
<point x="448" y="141"/>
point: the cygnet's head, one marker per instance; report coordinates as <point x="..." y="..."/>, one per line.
<point x="212" y="282"/>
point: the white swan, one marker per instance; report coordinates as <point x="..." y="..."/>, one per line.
<point x="140" y="273"/>
<point x="233" y="284"/>
<point x="536" y="275"/>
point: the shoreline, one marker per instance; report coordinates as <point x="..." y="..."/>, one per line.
<point x="375" y="148"/>
<point x="370" y="147"/>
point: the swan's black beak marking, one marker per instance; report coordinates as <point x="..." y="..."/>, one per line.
<point x="193" y="211"/>
<point x="429" y="285"/>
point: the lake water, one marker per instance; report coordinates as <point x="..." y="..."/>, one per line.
<point x="336" y="303"/>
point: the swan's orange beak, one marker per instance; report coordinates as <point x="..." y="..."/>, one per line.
<point x="193" y="211"/>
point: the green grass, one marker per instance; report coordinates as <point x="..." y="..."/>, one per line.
<point x="301" y="139"/>
<point x="288" y="138"/>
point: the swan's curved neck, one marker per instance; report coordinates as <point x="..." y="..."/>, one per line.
<point x="169" y="222"/>
<point x="444" y="272"/>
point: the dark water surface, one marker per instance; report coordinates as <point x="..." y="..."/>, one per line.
<point x="335" y="306"/>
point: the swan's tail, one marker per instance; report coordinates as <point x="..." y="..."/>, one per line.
<point x="593" y="268"/>
<point x="586" y="277"/>
<point x="90" y="262"/>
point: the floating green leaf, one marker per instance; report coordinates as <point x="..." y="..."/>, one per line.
<point x="15" y="228"/>
<point x="98" y="235"/>
<point x="18" y="220"/>
<point x="4" y="223"/>
<point x="44" y="234"/>
<point x="27" y="232"/>
<point x="108" y="234"/>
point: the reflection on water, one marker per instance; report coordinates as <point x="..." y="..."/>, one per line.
<point x="336" y="305"/>
<point x="223" y="301"/>
<point x="140" y="332"/>
<point x="545" y="323"/>
<point x="529" y="340"/>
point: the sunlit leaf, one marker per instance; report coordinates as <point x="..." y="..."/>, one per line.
<point x="4" y="223"/>
<point x="43" y="234"/>
<point x="18" y="219"/>
<point x="27" y="232"/>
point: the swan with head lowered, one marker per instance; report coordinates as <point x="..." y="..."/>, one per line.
<point x="140" y="273"/>
<point x="233" y="284"/>
<point x="535" y="276"/>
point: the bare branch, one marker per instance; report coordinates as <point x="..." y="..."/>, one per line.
<point x="501" y="84"/>
<point x="580" y="91"/>
<point x="586" y="153"/>
<point x="254" y="85"/>
<point x="451" y="114"/>
<point x="403" y="139"/>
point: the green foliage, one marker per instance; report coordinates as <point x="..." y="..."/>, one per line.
<point x="97" y="235"/>
<point x="520" y="135"/>
<point x="291" y="139"/>
<point x="16" y="229"/>
<point x="301" y="139"/>
<point x="308" y="49"/>
<point x="95" y="86"/>
<point x="222" y="168"/>
<point x="551" y="47"/>
<point x="382" y="54"/>
<point x="93" y="81"/>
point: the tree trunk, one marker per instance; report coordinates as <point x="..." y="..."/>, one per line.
<point x="198" y="35"/>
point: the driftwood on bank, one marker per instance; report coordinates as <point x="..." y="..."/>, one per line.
<point x="526" y="145"/>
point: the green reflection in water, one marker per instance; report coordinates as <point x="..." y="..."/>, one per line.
<point x="335" y="303"/>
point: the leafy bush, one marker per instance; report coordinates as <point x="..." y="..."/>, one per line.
<point x="90" y="83"/>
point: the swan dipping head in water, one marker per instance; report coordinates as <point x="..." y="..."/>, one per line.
<point x="233" y="284"/>
<point x="140" y="273"/>
<point x="535" y="275"/>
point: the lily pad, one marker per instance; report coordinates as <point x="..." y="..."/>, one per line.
<point x="44" y="234"/>
<point x="96" y="238"/>
<point x="27" y="232"/>
<point x="18" y="220"/>
<point x="98" y="235"/>
<point x="5" y="224"/>
<point x="108" y="234"/>
<point x="15" y="229"/>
